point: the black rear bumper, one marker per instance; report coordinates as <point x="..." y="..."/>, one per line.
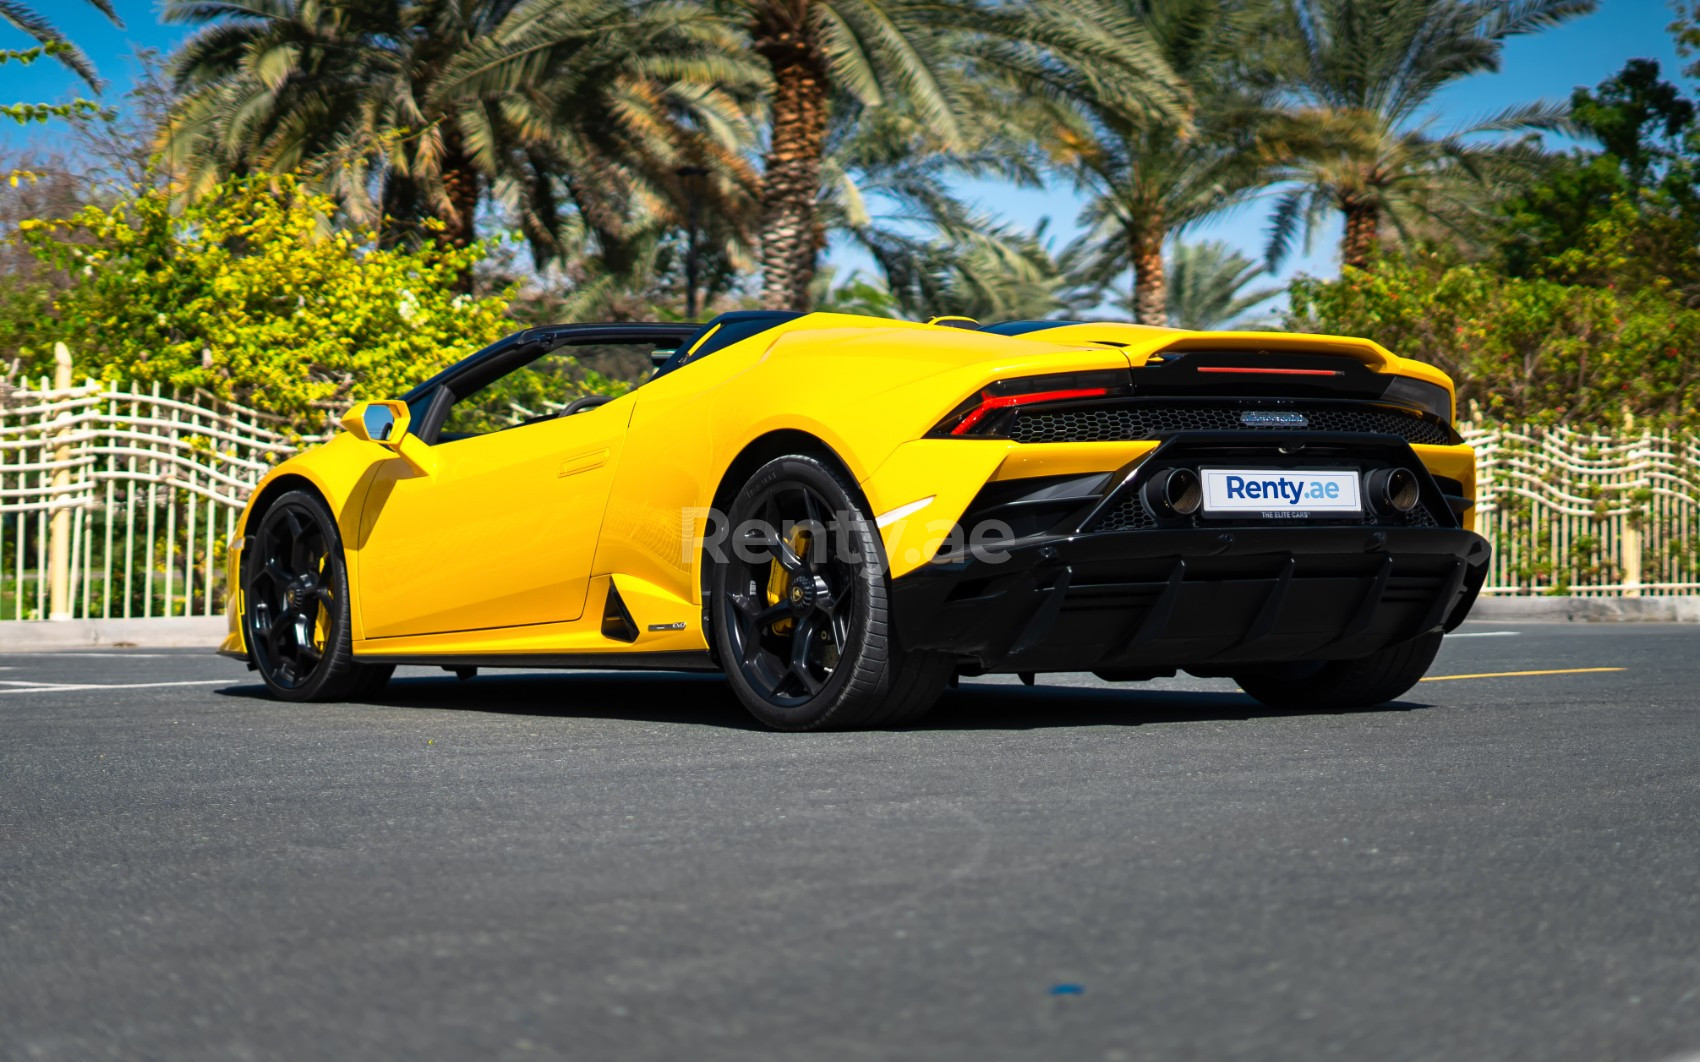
<point x="1152" y="601"/>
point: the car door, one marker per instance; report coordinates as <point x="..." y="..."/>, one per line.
<point x="502" y="531"/>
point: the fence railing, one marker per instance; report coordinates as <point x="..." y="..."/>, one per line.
<point x="1595" y="515"/>
<point x="121" y="501"/>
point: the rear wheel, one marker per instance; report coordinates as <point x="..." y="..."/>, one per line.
<point x="801" y="607"/>
<point x="1335" y="685"/>
<point x="295" y="614"/>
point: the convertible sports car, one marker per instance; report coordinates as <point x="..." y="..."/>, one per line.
<point x="845" y="513"/>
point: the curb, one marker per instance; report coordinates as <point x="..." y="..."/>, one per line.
<point x="1683" y="608"/>
<point x="178" y="632"/>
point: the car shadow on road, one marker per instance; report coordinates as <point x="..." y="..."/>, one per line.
<point x="706" y="700"/>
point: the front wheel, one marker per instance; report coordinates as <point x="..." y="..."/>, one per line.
<point x="295" y="614"/>
<point x="1338" y="685"/>
<point x="801" y="610"/>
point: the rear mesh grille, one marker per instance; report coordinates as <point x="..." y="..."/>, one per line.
<point x="1128" y="514"/>
<point x="1143" y="421"/>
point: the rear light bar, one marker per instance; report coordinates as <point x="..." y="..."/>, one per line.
<point x="1258" y="371"/>
<point x="990" y="403"/>
<point x="980" y="414"/>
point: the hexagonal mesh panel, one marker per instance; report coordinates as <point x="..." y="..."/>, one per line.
<point x="1128" y="514"/>
<point x="1141" y="421"/>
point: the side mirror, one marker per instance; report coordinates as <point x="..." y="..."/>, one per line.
<point x="384" y="423"/>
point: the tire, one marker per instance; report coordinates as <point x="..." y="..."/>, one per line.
<point x="1342" y="685"/>
<point x="833" y="594"/>
<point x="295" y="613"/>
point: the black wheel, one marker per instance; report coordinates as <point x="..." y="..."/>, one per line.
<point x="1336" y="685"/>
<point x="295" y="606"/>
<point x="800" y="607"/>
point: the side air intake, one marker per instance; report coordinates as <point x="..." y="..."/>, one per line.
<point x="617" y="623"/>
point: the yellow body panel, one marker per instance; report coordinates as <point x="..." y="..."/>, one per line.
<point x="501" y="534"/>
<point x="1458" y="462"/>
<point x="508" y="543"/>
<point x="1067" y="459"/>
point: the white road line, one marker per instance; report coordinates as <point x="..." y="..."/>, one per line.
<point x="26" y="682"/>
<point x="1486" y="634"/>
<point x="124" y="686"/>
<point x="61" y="654"/>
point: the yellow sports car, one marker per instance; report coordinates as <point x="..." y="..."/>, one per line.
<point x="844" y="513"/>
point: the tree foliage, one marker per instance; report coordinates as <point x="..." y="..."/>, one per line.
<point x="22" y="17"/>
<point x="1534" y="349"/>
<point x="252" y="293"/>
<point x="558" y="113"/>
<point x="1208" y="285"/>
<point x="1352" y="135"/>
<point x="1151" y="175"/>
<point x="1643" y="182"/>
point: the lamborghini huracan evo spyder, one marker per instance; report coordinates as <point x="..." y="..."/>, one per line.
<point x="843" y="513"/>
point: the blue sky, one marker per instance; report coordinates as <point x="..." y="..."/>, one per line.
<point x="1548" y="65"/>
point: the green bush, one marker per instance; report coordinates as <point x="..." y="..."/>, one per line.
<point x="1528" y="349"/>
<point x="251" y="293"/>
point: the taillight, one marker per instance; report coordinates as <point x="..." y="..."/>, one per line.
<point x="988" y="411"/>
<point x="1430" y="398"/>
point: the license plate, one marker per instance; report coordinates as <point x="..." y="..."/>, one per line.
<point x="1281" y="494"/>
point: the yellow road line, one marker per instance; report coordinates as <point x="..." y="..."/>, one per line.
<point x="1520" y="674"/>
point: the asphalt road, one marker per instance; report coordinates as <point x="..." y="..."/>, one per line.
<point x="622" y="867"/>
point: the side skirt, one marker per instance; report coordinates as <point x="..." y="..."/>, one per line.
<point x="661" y="661"/>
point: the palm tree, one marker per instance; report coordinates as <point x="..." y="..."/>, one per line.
<point x="441" y="105"/>
<point x="1355" y="136"/>
<point x="869" y="51"/>
<point x="21" y="17"/>
<point x="888" y="191"/>
<point x="1152" y="174"/>
<point x="1207" y="285"/>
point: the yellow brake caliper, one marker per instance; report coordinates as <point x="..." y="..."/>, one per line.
<point x="322" y="618"/>
<point x="779" y="580"/>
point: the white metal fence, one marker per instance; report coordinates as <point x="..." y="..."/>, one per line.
<point x="120" y="501"/>
<point x="1595" y="515"/>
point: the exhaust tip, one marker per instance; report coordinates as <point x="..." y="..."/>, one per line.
<point x="1394" y="489"/>
<point x="1173" y="492"/>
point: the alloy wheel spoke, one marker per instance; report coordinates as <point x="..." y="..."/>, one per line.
<point x="805" y="679"/>
<point x="839" y="623"/>
<point x="780" y="550"/>
<point x="811" y="505"/>
<point x="302" y="557"/>
<point x="802" y="640"/>
<point x="759" y="617"/>
<point x="274" y="639"/>
<point x="749" y="647"/>
<point x="275" y="570"/>
<point x="789" y="560"/>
